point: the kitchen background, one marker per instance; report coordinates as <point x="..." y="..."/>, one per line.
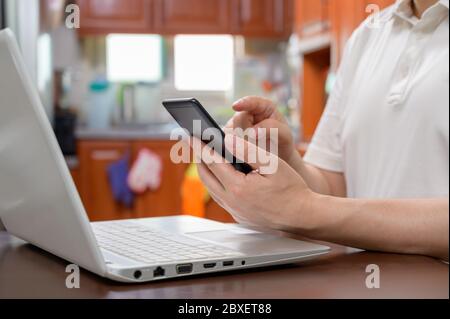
<point x="102" y="83"/>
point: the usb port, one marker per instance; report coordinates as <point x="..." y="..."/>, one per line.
<point x="228" y="263"/>
<point x="184" y="268"/>
<point x="210" y="265"/>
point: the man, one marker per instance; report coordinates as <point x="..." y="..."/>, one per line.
<point x="376" y="175"/>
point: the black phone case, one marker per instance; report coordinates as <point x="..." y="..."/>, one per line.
<point x="173" y="104"/>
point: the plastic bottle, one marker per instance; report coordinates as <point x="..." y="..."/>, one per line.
<point x="100" y="105"/>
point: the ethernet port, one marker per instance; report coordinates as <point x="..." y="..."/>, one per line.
<point x="159" y="272"/>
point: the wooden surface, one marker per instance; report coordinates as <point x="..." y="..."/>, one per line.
<point x="28" y="272"/>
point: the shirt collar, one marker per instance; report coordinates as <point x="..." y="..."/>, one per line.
<point x="403" y="10"/>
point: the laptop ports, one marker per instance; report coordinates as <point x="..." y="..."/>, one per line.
<point x="228" y="263"/>
<point x="158" y="272"/>
<point x="184" y="268"/>
<point x="209" y="265"/>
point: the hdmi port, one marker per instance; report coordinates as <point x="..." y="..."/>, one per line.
<point x="184" y="268"/>
<point x="210" y="265"/>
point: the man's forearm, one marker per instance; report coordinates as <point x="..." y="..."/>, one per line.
<point x="415" y="226"/>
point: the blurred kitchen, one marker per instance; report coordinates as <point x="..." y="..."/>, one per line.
<point x="102" y="83"/>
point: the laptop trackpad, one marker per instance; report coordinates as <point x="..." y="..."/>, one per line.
<point x="247" y="241"/>
<point x="227" y="236"/>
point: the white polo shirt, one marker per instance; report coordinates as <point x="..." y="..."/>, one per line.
<point x="386" y="124"/>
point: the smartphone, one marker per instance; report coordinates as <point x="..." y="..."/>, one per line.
<point x="186" y="111"/>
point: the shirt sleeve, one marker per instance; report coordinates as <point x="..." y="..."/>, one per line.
<point x="325" y="150"/>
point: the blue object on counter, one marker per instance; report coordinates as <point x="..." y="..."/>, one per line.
<point x="118" y="175"/>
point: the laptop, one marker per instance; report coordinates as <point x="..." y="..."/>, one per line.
<point x="40" y="204"/>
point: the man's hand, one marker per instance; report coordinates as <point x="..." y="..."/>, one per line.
<point x="260" y="113"/>
<point x="271" y="201"/>
<point x="257" y="112"/>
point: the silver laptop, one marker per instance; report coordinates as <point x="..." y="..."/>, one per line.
<point x="40" y="204"/>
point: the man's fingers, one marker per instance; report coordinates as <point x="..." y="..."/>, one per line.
<point x="242" y="150"/>
<point x="241" y="220"/>
<point x="256" y="157"/>
<point x="260" y="108"/>
<point x="241" y="120"/>
<point x="228" y="130"/>
<point x="222" y="170"/>
<point x="269" y="124"/>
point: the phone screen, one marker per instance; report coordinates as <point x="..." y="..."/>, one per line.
<point x="189" y="113"/>
<point x="186" y="115"/>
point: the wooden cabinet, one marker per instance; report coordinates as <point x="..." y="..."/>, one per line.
<point x="75" y="174"/>
<point x="311" y="17"/>
<point x="166" y="200"/>
<point x="94" y="186"/>
<point x="95" y="191"/>
<point x="316" y="66"/>
<point x="109" y="16"/>
<point x="193" y="16"/>
<point x="252" y="18"/>
<point x="92" y="181"/>
<point x="262" y="18"/>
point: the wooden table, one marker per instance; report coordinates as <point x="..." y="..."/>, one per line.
<point x="28" y="272"/>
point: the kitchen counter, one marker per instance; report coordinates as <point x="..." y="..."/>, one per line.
<point x="132" y="132"/>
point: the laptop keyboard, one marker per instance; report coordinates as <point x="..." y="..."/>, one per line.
<point x="151" y="246"/>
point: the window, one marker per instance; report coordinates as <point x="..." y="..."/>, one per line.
<point x="134" y="58"/>
<point x="44" y="62"/>
<point x="204" y="62"/>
